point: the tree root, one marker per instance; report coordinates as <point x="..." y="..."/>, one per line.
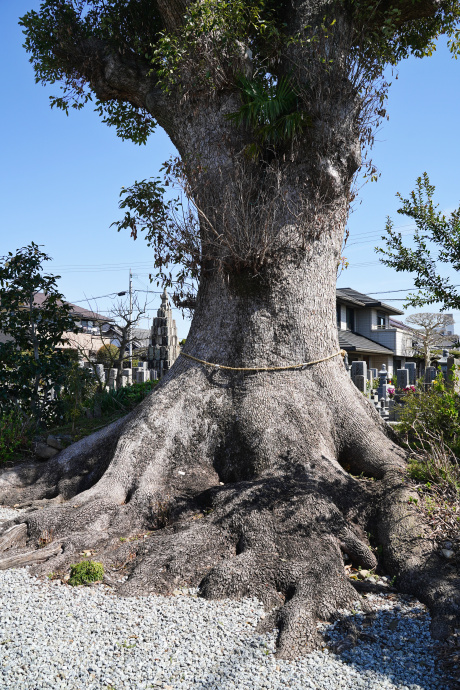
<point x="30" y="557"/>
<point x="200" y="487"/>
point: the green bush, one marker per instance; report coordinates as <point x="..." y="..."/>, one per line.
<point x="124" y="398"/>
<point x="15" y="434"/>
<point x="430" y="424"/>
<point x="107" y="354"/>
<point x="85" y="572"/>
<point x="76" y="394"/>
<point x="435" y="411"/>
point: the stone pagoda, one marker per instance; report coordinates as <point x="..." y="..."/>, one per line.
<point x="164" y="348"/>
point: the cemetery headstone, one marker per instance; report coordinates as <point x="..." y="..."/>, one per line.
<point x="402" y="379"/>
<point x="412" y="369"/>
<point x="360" y="383"/>
<point x="382" y="391"/>
<point x="113" y="379"/>
<point x="430" y="375"/>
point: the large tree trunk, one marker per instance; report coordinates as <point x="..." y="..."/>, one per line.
<point x="248" y="481"/>
<point x="245" y="480"/>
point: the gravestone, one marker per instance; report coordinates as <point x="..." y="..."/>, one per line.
<point x="412" y="369"/>
<point x="100" y="373"/>
<point x="113" y="379"/>
<point x="142" y="375"/>
<point x="382" y="407"/>
<point x="129" y="375"/>
<point x="430" y="375"/>
<point x="359" y="375"/>
<point x="452" y="379"/>
<point x="402" y="379"/>
<point x="391" y="410"/>
<point x="360" y="383"/>
<point x="358" y="369"/>
<point x="382" y="391"/>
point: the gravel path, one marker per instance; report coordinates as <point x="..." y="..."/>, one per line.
<point x="56" y="636"/>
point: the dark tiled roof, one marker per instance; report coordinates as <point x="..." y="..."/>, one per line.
<point x="366" y="300"/>
<point x="340" y="294"/>
<point x="142" y="335"/>
<point x="352" y="342"/>
<point x="80" y="312"/>
<point x="399" y="324"/>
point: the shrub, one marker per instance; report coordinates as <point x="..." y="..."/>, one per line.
<point x="78" y="391"/>
<point x="434" y="461"/>
<point x="32" y="359"/>
<point x="107" y="354"/>
<point x="124" y="398"/>
<point x="85" y="572"/>
<point x="15" y="434"/>
<point x="435" y="411"/>
<point x="429" y="420"/>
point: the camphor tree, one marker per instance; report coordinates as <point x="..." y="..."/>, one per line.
<point x="269" y="105"/>
<point x="428" y="332"/>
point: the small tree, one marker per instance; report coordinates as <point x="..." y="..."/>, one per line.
<point x="428" y="334"/>
<point x="79" y="389"/>
<point x="32" y="362"/>
<point x="126" y="317"/>
<point x="433" y="230"/>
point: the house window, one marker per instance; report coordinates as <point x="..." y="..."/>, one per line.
<point x="350" y="319"/>
<point x="339" y="315"/>
<point x="381" y="319"/>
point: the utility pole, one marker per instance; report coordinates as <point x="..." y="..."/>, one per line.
<point x="130" y="319"/>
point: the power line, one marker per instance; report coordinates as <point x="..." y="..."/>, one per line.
<point x="387" y="292"/>
<point x="373" y="232"/>
<point x="87" y="299"/>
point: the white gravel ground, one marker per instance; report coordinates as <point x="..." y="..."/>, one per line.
<point x="86" y="638"/>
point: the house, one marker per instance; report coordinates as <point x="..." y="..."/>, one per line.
<point x="90" y="325"/>
<point x="367" y="332"/>
<point x="140" y="337"/>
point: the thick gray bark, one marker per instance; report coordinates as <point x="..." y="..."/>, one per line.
<point x="243" y="481"/>
<point x="246" y="482"/>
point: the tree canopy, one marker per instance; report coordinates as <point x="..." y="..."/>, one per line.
<point x="139" y="61"/>
<point x="73" y="42"/>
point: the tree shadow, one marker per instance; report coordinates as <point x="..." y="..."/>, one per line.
<point x="388" y="645"/>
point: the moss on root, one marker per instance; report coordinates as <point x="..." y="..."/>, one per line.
<point x="85" y="572"/>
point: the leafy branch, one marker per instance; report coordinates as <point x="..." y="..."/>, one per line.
<point x="433" y="230"/>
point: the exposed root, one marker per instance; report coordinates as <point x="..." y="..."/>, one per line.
<point x="239" y="491"/>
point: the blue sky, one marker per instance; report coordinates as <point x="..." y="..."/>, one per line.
<point x="61" y="176"/>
